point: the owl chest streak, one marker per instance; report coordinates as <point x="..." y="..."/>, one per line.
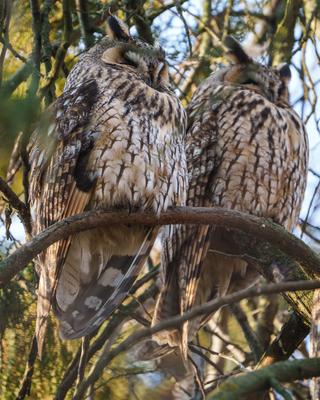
<point x="258" y="168"/>
<point x="136" y="156"/>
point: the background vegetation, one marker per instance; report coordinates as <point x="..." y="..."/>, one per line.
<point x="40" y="42"/>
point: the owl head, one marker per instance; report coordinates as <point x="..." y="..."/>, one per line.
<point x="270" y="82"/>
<point x="146" y="60"/>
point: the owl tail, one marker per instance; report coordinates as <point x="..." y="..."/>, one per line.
<point x="184" y="252"/>
<point x="168" y="305"/>
<point x="168" y="359"/>
<point x="46" y="268"/>
<point x="97" y="299"/>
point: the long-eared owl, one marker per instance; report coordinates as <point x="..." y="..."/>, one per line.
<point x="247" y="150"/>
<point x="113" y="139"/>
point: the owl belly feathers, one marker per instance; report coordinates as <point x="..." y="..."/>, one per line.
<point x="258" y="166"/>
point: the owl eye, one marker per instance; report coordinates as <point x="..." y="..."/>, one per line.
<point x="131" y="62"/>
<point x="249" y="82"/>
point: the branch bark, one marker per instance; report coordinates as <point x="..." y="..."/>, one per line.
<point x="314" y="343"/>
<point x="239" y="387"/>
<point x="249" y="334"/>
<point x="283" y="40"/>
<point x="36" y="52"/>
<point x="262" y="228"/>
<point x="290" y="337"/>
<point x="84" y="22"/>
<point x="20" y="76"/>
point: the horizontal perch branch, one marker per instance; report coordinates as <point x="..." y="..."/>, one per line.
<point x="262" y="228"/>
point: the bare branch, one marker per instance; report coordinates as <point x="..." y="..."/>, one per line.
<point x="292" y="334"/>
<point x="27" y="379"/>
<point x="36" y="53"/>
<point x="248" y="332"/>
<point x="283" y="40"/>
<point x="251" y="382"/>
<point x="113" y="324"/>
<point x="85" y="26"/>
<point x="262" y="228"/>
<point x="314" y="343"/>
<point x="176" y="322"/>
<point x="20" y="76"/>
<point x="17" y="204"/>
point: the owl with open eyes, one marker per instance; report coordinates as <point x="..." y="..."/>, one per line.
<point x="247" y="150"/>
<point x="113" y="139"/>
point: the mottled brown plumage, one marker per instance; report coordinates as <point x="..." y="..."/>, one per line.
<point x="247" y="150"/>
<point x="114" y="138"/>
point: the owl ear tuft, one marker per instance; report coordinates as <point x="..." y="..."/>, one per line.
<point x="234" y="51"/>
<point x="284" y="71"/>
<point x="117" y="29"/>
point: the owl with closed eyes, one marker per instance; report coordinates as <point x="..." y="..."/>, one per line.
<point x="247" y="150"/>
<point x="114" y="139"/>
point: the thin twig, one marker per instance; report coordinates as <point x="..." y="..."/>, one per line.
<point x="27" y="379"/>
<point x="17" y="204"/>
<point x="176" y="322"/>
<point x="248" y="332"/>
<point x="5" y="40"/>
<point x="113" y="324"/>
<point x="198" y="378"/>
<point x="200" y="353"/>
<point x="83" y="360"/>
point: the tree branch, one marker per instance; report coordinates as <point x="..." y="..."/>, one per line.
<point x="314" y="343"/>
<point x="290" y="337"/>
<point x="251" y="382"/>
<point x="248" y="332"/>
<point x="283" y="40"/>
<point x="36" y="52"/>
<point x="176" y="322"/>
<point x="262" y="228"/>
<point x="84" y="22"/>
<point x="20" y="76"/>
<point x="17" y="204"/>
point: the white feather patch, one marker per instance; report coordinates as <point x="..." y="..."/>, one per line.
<point x="93" y="302"/>
<point x="110" y="277"/>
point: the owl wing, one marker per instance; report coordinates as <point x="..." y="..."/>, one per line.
<point x="58" y="185"/>
<point x="98" y="298"/>
<point x="186" y="246"/>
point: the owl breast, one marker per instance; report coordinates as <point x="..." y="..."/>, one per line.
<point x="138" y="152"/>
<point x="259" y="159"/>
